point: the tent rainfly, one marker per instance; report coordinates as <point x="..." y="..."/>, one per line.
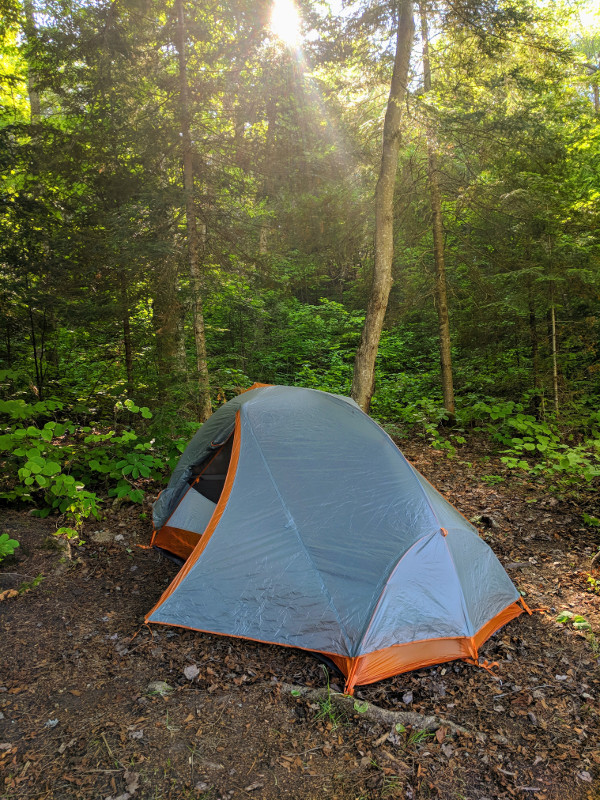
<point x="303" y="525"/>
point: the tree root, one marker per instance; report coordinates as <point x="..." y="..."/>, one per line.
<point x="382" y="716"/>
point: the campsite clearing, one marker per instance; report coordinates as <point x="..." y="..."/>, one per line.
<point x="80" y="721"/>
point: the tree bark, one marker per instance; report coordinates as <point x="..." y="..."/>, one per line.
<point x="441" y="289"/>
<point x="193" y="239"/>
<point x="167" y="322"/>
<point x="533" y="337"/>
<point x="127" y="340"/>
<point x="363" y="382"/>
<point x="554" y="357"/>
<point x="35" y="108"/>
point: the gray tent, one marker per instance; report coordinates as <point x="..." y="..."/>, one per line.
<point x="304" y="525"/>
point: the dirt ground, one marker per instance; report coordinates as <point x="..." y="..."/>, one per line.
<point x="80" y="719"/>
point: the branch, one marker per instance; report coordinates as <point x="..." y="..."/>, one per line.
<point x="379" y="715"/>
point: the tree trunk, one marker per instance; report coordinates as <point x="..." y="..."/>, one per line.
<point x="363" y="381"/>
<point x="167" y="318"/>
<point x="35" y="108"/>
<point x="441" y="290"/>
<point x="127" y="341"/>
<point x="554" y="357"/>
<point x="533" y="338"/>
<point x="193" y="240"/>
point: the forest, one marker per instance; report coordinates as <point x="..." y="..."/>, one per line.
<point x="196" y="198"/>
<point x="392" y="200"/>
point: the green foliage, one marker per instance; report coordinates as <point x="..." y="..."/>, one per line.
<point x="7" y="545"/>
<point x="588" y="519"/>
<point x="537" y="446"/>
<point x="593" y="585"/>
<point x="96" y="307"/>
<point x="577" y="621"/>
<point x="328" y="712"/>
<point x="27" y="586"/>
<point x="60" y="466"/>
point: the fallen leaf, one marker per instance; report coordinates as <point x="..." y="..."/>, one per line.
<point x="159" y="687"/>
<point x="191" y="672"/>
<point x="132" y="780"/>
<point x="447" y="750"/>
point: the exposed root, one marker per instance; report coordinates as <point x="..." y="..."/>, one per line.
<point x="382" y="716"/>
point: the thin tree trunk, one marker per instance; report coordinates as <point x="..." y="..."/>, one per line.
<point x="36" y="361"/>
<point x="554" y="357"/>
<point x="533" y="338"/>
<point x="8" y="344"/>
<point x="127" y="342"/>
<point x="193" y="240"/>
<point x="441" y="289"/>
<point x="363" y="381"/>
<point x="35" y="108"/>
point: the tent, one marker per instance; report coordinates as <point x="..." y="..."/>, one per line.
<point x="303" y="525"/>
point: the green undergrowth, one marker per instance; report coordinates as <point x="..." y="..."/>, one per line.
<point x="69" y="467"/>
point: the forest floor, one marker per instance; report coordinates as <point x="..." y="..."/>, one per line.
<point x="79" y="718"/>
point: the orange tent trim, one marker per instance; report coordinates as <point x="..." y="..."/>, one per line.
<point x="390" y="661"/>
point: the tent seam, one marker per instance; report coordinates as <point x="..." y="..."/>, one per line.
<point x="299" y="537"/>
<point x="467" y="616"/>
<point x="382" y="592"/>
<point x="389" y="441"/>
<point x="415" y="475"/>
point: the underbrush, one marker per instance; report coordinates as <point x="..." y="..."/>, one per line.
<point x="69" y="467"/>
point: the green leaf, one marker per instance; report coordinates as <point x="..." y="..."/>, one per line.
<point x="564" y="616"/>
<point x="361" y="706"/>
<point x="7" y="545"/>
<point x="6" y="442"/>
<point x="51" y="468"/>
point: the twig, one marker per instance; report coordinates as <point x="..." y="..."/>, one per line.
<point x="110" y="752"/>
<point x="524" y="689"/>
<point x="100" y="770"/>
<point x="15" y="575"/>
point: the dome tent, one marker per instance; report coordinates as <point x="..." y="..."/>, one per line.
<point x="304" y="525"/>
